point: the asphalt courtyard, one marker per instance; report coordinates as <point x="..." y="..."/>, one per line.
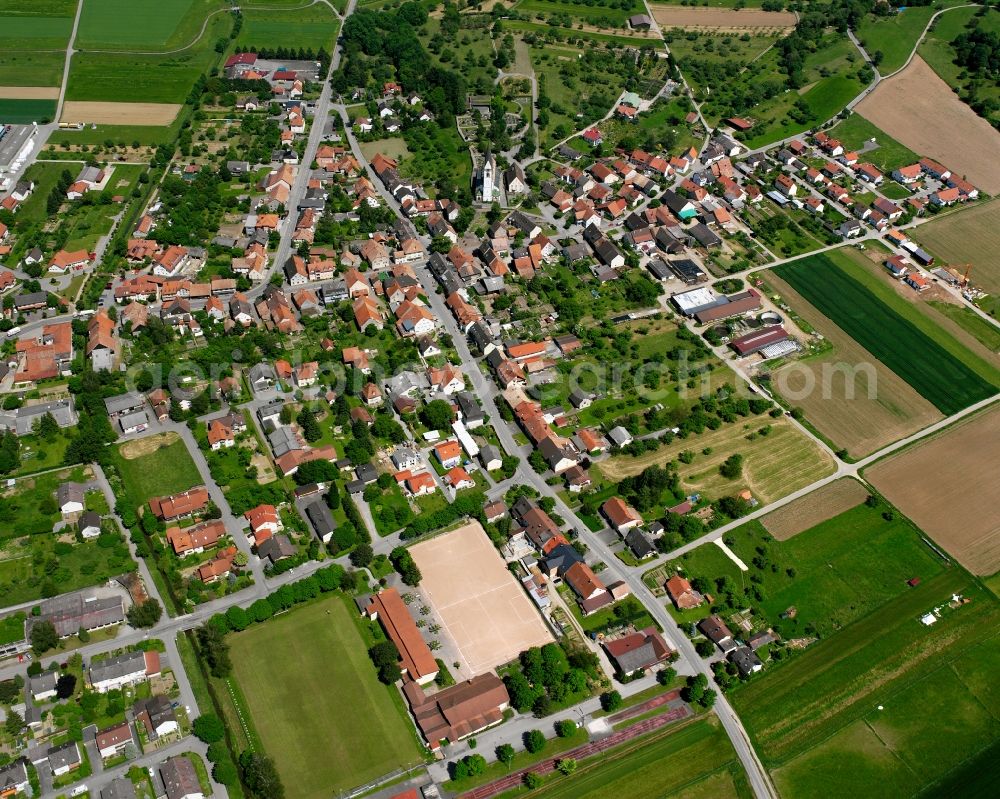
<point x="482" y="608"/>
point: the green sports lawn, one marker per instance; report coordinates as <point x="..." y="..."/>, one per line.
<point x="316" y="703"/>
<point x="893" y="330"/>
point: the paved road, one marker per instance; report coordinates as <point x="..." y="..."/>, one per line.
<point x="298" y="191"/>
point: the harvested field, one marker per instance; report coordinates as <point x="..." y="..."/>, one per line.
<point x="721" y="18"/>
<point x="815" y="508"/>
<point x="970" y="237"/>
<point x="947" y="486"/>
<point x="483" y="609"/>
<point x="130" y="450"/>
<point x="153" y="114"/>
<point x="29" y="92"/>
<point x="920" y="110"/>
<point x="845" y="413"/>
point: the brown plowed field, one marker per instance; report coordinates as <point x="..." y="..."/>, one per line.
<point x="948" y="486"/>
<point x="158" y="114"/>
<point x="815" y="508"/>
<point x="721" y="18"/>
<point x="860" y="424"/>
<point x="29" y="92"/>
<point x="920" y="110"/>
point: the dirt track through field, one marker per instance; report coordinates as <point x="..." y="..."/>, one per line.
<point x="917" y="108"/>
<point x="721" y="18"/>
<point x="29" y="92"/>
<point x="815" y="508"/>
<point x="155" y="114"/>
<point x="948" y="487"/>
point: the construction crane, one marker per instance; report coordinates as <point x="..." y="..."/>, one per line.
<point x="965" y="278"/>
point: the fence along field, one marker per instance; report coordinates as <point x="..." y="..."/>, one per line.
<point x="960" y="512"/>
<point x="949" y="384"/>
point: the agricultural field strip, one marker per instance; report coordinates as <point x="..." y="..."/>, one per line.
<point x="947" y="383"/>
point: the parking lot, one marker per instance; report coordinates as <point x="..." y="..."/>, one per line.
<point x="11" y="143"/>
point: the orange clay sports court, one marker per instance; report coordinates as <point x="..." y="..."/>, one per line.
<point x="486" y="613"/>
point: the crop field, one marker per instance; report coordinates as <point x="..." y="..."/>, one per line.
<point x="122" y="25"/>
<point x="815" y="508"/>
<point x="968" y="237"/>
<point x="889" y="155"/>
<point x="133" y="78"/>
<point x="919" y="109"/>
<point x="162" y="466"/>
<point x="881" y="321"/>
<point x="721" y="18"/>
<point x="354" y="732"/>
<point x="23" y="112"/>
<point x="311" y="28"/>
<point x="848" y="395"/>
<point x="28" y="32"/>
<point x="959" y="509"/>
<point x="27" y="68"/>
<point x="821" y="725"/>
<point x="693" y="761"/>
<point x="774" y="465"/>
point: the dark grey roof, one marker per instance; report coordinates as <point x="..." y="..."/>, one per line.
<point x="562" y="557"/>
<point x="32" y="298"/>
<point x="119" y="788"/>
<point x="276" y="547"/>
<point x="118" y="666"/>
<point x="13" y="776"/>
<point x="124" y="402"/>
<point x="70" y="612"/>
<point x="321" y="518"/>
<point x="159" y="709"/>
<point x="70" y="492"/>
<point x="44" y="682"/>
<point x="68" y="754"/>
<point x="746" y="660"/>
<point x="639" y="544"/>
<point x="88" y="519"/>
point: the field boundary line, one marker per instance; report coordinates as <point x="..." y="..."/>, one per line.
<point x="204" y="27"/>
